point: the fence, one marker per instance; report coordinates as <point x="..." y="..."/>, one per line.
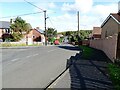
<point x="108" y="45"/>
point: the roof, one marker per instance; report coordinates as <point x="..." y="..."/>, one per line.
<point x="41" y="31"/>
<point x="96" y="30"/>
<point x="114" y="16"/>
<point x="4" y="24"/>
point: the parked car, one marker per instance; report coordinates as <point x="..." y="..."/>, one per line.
<point x="56" y="42"/>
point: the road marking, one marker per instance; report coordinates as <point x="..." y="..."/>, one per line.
<point x="15" y="59"/>
<point x="35" y="54"/>
<point x="23" y="50"/>
<point x="51" y="50"/>
<point x="29" y="56"/>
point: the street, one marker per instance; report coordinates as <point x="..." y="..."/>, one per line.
<point x="33" y="67"/>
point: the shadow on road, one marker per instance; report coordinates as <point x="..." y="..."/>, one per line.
<point x="89" y="73"/>
<point x="70" y="48"/>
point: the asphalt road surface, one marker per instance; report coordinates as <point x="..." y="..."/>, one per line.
<point x="33" y="67"/>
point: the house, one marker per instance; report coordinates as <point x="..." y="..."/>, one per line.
<point x="110" y="37"/>
<point x="4" y="28"/>
<point x="111" y="25"/>
<point x="34" y="36"/>
<point x="96" y="33"/>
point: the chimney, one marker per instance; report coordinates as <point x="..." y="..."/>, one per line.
<point x="119" y="7"/>
<point x="11" y="21"/>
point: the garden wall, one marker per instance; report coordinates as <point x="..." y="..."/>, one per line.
<point x="108" y="45"/>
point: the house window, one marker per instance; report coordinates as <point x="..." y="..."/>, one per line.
<point x="33" y="36"/>
<point x="106" y="34"/>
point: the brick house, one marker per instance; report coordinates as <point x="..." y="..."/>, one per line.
<point x="34" y="36"/>
<point x="4" y="28"/>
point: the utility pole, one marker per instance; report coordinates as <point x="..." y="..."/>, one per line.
<point x="45" y="28"/>
<point x="78" y="23"/>
<point x="78" y="28"/>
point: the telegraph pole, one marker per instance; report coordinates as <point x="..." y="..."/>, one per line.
<point x="45" y="28"/>
<point x="78" y="23"/>
<point x="78" y="28"/>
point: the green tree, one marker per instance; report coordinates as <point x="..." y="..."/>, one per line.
<point x="18" y="27"/>
<point x="51" y="33"/>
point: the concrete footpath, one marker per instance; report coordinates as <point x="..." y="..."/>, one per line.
<point x="85" y="74"/>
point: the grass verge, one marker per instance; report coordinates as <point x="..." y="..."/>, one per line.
<point x="15" y="45"/>
<point x="114" y="73"/>
<point x="93" y="54"/>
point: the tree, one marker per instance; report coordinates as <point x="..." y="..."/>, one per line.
<point x="19" y="27"/>
<point x="51" y="33"/>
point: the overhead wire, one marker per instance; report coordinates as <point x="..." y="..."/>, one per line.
<point x="21" y="15"/>
<point x="34" y="5"/>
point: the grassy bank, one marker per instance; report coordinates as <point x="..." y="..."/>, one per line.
<point x="93" y="54"/>
<point x="113" y="69"/>
<point x="114" y="73"/>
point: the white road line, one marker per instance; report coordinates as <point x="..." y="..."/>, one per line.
<point x="51" y="50"/>
<point x="35" y="54"/>
<point x="29" y="56"/>
<point x="15" y="59"/>
<point x="23" y="50"/>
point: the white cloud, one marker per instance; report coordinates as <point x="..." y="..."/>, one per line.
<point x="104" y="10"/>
<point x="68" y="7"/>
<point x="90" y="15"/>
<point x="84" y="5"/>
<point x="52" y="5"/>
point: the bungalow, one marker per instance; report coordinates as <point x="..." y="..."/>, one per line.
<point x="34" y="36"/>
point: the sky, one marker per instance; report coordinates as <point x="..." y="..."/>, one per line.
<point x="62" y="14"/>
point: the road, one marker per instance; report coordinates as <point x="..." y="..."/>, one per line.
<point x="33" y="67"/>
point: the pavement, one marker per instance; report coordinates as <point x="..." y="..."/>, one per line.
<point x="85" y="74"/>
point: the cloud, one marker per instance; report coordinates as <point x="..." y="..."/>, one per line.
<point x="67" y="21"/>
<point x="104" y="10"/>
<point x="84" y="5"/>
<point x="52" y="5"/>
<point x="68" y="8"/>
